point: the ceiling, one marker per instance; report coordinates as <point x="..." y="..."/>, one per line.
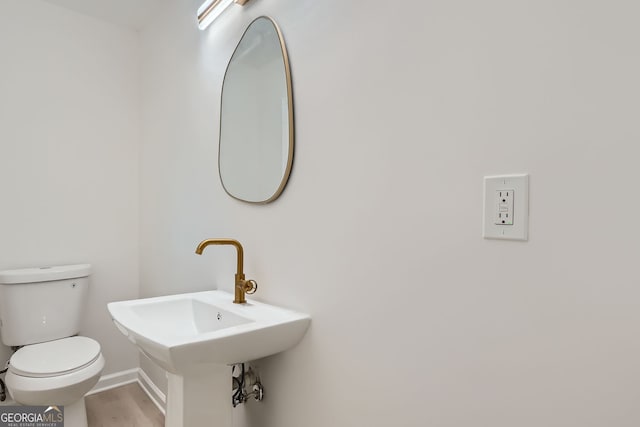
<point x="127" y="13"/>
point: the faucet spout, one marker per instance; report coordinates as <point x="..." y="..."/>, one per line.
<point x="231" y="242"/>
<point x="242" y="286"/>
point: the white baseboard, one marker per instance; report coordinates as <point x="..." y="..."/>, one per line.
<point x="155" y="394"/>
<point x="117" y="379"/>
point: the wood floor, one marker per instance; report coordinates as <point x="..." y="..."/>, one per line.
<point x="126" y="406"/>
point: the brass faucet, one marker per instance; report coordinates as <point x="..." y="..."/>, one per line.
<point x="242" y="286"/>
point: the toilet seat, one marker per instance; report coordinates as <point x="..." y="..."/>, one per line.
<point x="63" y="389"/>
<point x="60" y="371"/>
<point x="55" y="358"/>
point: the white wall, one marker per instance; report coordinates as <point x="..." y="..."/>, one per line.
<point x="69" y="131"/>
<point x="400" y="111"/>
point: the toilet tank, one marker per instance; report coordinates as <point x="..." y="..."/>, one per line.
<point x="42" y="304"/>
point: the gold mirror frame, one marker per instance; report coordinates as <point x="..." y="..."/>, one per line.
<point x="289" y="86"/>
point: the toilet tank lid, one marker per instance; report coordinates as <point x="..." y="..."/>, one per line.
<point x="44" y="274"/>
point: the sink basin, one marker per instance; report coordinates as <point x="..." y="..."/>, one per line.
<point x="180" y="332"/>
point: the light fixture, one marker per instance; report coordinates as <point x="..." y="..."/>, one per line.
<point x="211" y="9"/>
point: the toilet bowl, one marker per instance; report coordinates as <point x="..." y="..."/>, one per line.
<point x="40" y="313"/>
<point x="58" y="372"/>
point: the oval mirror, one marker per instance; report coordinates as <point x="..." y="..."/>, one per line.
<point x="256" y="116"/>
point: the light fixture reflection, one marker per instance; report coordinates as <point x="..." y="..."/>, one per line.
<point x="211" y="9"/>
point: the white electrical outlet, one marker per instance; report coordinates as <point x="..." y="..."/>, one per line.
<point x="506" y="207"/>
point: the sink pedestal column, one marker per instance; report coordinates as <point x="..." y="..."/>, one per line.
<point x="201" y="397"/>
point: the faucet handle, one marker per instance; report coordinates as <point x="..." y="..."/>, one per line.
<point x="250" y="286"/>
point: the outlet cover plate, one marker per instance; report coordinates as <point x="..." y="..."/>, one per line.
<point x="519" y="184"/>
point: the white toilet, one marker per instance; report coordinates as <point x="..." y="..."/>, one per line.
<point x="41" y="312"/>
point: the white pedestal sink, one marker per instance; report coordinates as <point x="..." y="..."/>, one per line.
<point x="195" y="337"/>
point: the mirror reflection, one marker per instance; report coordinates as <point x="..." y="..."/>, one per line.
<point x="256" y="116"/>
